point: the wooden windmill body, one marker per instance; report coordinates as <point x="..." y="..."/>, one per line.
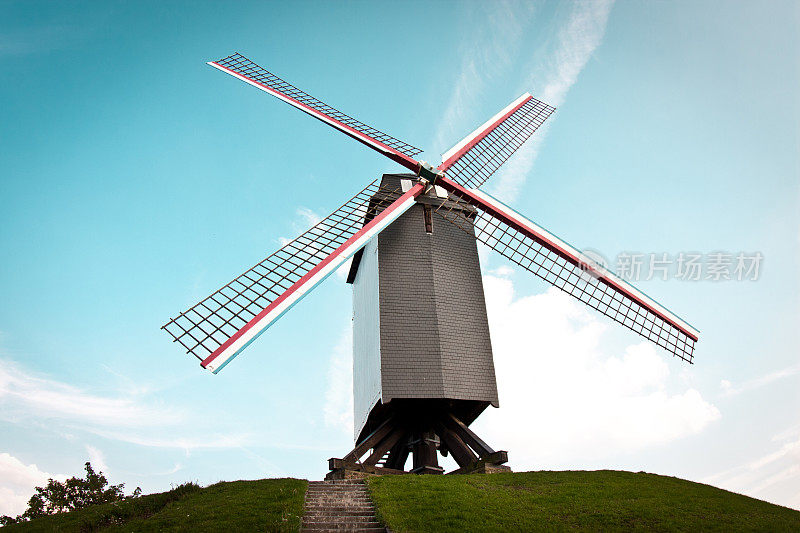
<point x="421" y="341"/>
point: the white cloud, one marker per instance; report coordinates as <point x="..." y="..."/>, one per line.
<point x="495" y="34"/>
<point x="37" y="400"/>
<point x="309" y="217"/>
<point x="130" y="386"/>
<point x="576" y="43"/>
<point x="338" y="409"/>
<point x="306" y="220"/>
<point x="502" y="271"/>
<point x="205" y="442"/>
<point x="510" y="178"/>
<point x="729" y="389"/>
<point x="176" y="468"/>
<point x="98" y="460"/>
<point x="565" y="402"/>
<point x="38" y="39"/>
<point x="550" y="82"/>
<point x="17" y="481"/>
<point x="492" y="48"/>
<point x="774" y="476"/>
<point x="24" y="395"/>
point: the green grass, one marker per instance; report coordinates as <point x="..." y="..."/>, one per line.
<point x="546" y="501"/>
<point x="527" y="501"/>
<point x="263" y="505"/>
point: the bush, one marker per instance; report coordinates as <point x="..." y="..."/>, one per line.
<point x="74" y="493"/>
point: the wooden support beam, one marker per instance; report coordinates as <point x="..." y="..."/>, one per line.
<point x="425" y="459"/>
<point x="384" y="446"/>
<point x="337" y="467"/>
<point x="468" y="436"/>
<point x="424" y="430"/>
<point x="490" y="464"/>
<point x="370" y="441"/>
<point x="398" y="455"/>
<point x="460" y="451"/>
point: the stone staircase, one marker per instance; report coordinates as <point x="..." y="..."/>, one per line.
<point x="339" y="506"/>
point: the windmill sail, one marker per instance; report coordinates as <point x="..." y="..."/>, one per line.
<point x="220" y="326"/>
<point x="216" y="329"/>
<point x="553" y="260"/>
<point x="473" y="160"/>
<point x="240" y="67"/>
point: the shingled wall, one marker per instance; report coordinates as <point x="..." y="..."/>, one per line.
<point x="434" y="333"/>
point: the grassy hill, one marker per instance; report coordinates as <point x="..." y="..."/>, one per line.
<point x="527" y="501"/>
<point x="591" y="501"/>
<point x="263" y="505"/>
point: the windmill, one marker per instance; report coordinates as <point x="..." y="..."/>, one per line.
<point x="423" y="369"/>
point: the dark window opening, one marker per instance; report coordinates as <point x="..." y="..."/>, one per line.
<point x="426" y="211"/>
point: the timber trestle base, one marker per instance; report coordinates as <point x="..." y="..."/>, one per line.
<point x="421" y="429"/>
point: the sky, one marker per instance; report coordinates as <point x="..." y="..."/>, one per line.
<point x="136" y="180"/>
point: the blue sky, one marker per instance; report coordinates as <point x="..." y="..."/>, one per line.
<point x="135" y="180"/>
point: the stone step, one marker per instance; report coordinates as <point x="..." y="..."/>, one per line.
<point x="342" y="520"/>
<point x="345" y="497"/>
<point x="337" y="489"/>
<point x="345" y="530"/>
<point x="339" y="526"/>
<point x="343" y="505"/>
<point x="361" y="491"/>
<point x="340" y="496"/>
<point x="340" y="505"/>
<point x="341" y="508"/>
<point x="351" y="488"/>
<point x="338" y="492"/>
<point x="360" y="486"/>
<point x="338" y="517"/>
<point x="335" y="503"/>
<point x="355" y="519"/>
<point x="337" y="496"/>
<point x="341" y="488"/>
<point x="362" y="494"/>
<point x="357" y="483"/>
<point x="337" y="483"/>
<point x="359" y="494"/>
<point x="338" y="502"/>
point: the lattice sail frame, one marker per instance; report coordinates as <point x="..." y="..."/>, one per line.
<point x="205" y="327"/>
<point x="240" y="67"/>
<point x="476" y="157"/>
<point x="554" y="261"/>
<point x="219" y="327"/>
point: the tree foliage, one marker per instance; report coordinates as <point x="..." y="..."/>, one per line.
<point x="74" y="493"/>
